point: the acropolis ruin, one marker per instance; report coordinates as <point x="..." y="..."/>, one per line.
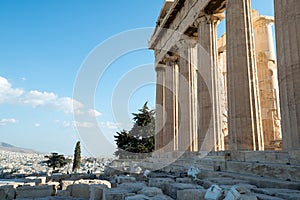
<point x="229" y="93"/>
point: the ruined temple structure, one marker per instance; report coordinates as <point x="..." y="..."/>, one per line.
<point x="230" y="93"/>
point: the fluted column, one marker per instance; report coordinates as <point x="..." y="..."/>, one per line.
<point x="160" y="104"/>
<point x="244" y="118"/>
<point x="170" y="104"/>
<point x="187" y="137"/>
<point x="210" y="132"/>
<point x="287" y="20"/>
<point x="268" y="81"/>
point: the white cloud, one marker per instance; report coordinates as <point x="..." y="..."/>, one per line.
<point x="7" y="93"/>
<point x="84" y="124"/>
<point x="94" y="113"/>
<point x="36" y="98"/>
<point x="7" y="121"/>
<point x="109" y="125"/>
<point x="24" y="79"/>
<point x="37" y="125"/>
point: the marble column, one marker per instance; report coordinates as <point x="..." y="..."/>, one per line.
<point x="160" y="104"/>
<point x="187" y="137"/>
<point x="170" y="105"/>
<point x="209" y="77"/>
<point x="268" y="81"/>
<point x="244" y="113"/>
<point x="287" y="23"/>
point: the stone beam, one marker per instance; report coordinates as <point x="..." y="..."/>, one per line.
<point x="165" y="37"/>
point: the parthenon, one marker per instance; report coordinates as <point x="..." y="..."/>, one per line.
<point x="227" y="93"/>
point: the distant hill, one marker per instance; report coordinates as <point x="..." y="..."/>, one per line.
<point x="8" y="147"/>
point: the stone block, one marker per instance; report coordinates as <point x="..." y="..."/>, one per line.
<point x="63" y="193"/>
<point x="171" y="189"/>
<point x="150" y="191"/>
<point x="7" y="192"/>
<point x="184" y="180"/>
<point x="138" y="197"/>
<point x="96" y="191"/>
<point x="115" y="194"/>
<point x="255" y="156"/>
<point x="277" y="157"/>
<point x="266" y="197"/>
<point x="101" y="182"/>
<point x="34" y="191"/>
<point x="294" y="157"/>
<point x="214" y="193"/>
<point x="125" y="179"/>
<point x="132" y="187"/>
<point x="37" y="180"/>
<point x="275" y="191"/>
<point x="236" y="156"/>
<point x="79" y="190"/>
<point x="65" y="184"/>
<point x="162" y="197"/>
<point x="160" y="182"/>
<point x="190" y="194"/>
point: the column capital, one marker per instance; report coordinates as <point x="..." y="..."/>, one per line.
<point x="263" y="21"/>
<point x="186" y="41"/>
<point x="160" y="67"/>
<point x="209" y="18"/>
<point x="171" y="58"/>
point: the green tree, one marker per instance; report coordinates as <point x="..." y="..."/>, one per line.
<point x="56" y="161"/>
<point x="77" y="157"/>
<point x="139" y="141"/>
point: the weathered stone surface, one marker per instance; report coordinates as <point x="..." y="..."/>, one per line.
<point x="96" y="191"/>
<point x="150" y="191"/>
<point x="34" y="191"/>
<point x="226" y="181"/>
<point x="138" y="197"/>
<point x="132" y="187"/>
<point x="125" y="179"/>
<point x="7" y="192"/>
<point x="190" y="194"/>
<point x="184" y="180"/>
<point x="65" y="184"/>
<point x="161" y="197"/>
<point x="160" y="182"/>
<point x="63" y="193"/>
<point x="37" y="180"/>
<point x="172" y="188"/>
<point x="79" y="190"/>
<point x="115" y="194"/>
<point x="282" y="193"/>
<point x="266" y="197"/>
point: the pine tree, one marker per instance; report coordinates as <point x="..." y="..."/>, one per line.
<point x="55" y="161"/>
<point x="77" y="157"/>
<point x="139" y="141"/>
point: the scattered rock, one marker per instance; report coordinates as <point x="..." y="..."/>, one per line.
<point x="190" y="194"/>
<point x="132" y="187"/>
<point x="151" y="191"/>
<point x="214" y="193"/>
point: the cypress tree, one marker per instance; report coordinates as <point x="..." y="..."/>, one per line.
<point x="77" y="157"/>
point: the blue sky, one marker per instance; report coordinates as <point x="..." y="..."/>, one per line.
<point x="44" y="45"/>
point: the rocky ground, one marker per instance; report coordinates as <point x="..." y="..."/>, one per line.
<point x="155" y="186"/>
